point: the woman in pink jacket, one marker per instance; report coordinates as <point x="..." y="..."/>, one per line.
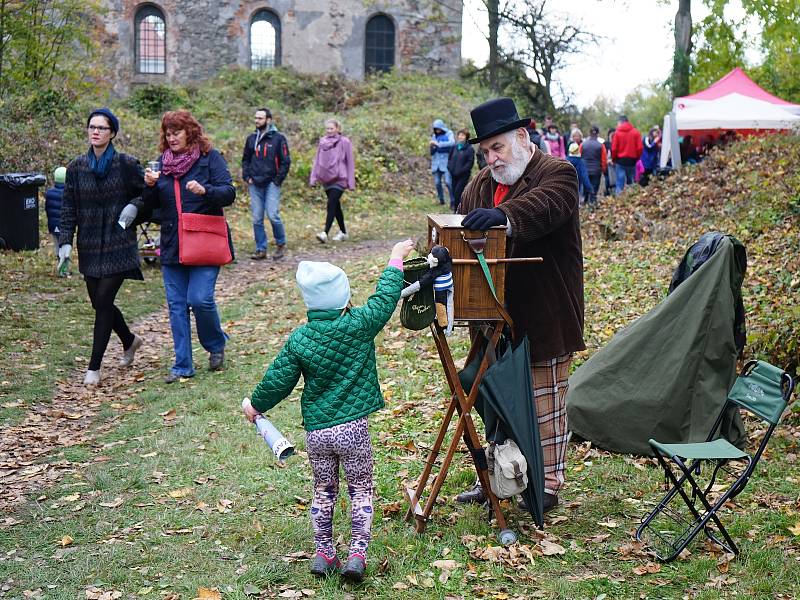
<point x="555" y="142"/>
<point x="335" y="170"/>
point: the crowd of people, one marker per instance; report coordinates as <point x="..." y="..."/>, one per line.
<point x="621" y="158"/>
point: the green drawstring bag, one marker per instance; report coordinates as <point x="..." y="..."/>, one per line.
<point x="418" y="310"/>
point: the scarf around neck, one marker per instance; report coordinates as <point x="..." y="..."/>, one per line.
<point x="178" y="165"/>
<point x="100" y="165"/>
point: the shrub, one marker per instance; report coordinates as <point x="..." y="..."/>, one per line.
<point x="154" y="100"/>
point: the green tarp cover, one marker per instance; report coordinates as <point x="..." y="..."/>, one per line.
<point x="665" y="376"/>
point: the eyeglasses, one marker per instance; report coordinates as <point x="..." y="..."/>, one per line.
<point x="100" y="128"/>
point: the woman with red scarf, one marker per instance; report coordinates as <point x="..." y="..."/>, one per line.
<point x="191" y="169"/>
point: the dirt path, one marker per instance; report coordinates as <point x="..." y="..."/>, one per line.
<point x="31" y="452"/>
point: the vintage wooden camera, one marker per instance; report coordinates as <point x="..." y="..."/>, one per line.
<point x="472" y="296"/>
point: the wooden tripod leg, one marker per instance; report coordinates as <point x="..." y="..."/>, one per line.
<point x="415" y="494"/>
<point x="470" y="435"/>
<point x="465" y="426"/>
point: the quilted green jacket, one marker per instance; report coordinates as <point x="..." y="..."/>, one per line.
<point x="335" y="353"/>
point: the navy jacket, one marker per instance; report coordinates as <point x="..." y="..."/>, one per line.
<point x="266" y="158"/>
<point x="210" y="171"/>
<point x="53" y="198"/>
<point x="461" y="161"/>
<point x="580" y="171"/>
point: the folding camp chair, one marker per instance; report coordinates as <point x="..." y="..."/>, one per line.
<point x="762" y="390"/>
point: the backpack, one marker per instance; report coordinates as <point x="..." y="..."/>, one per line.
<point x="328" y="164"/>
<point x="508" y="469"/>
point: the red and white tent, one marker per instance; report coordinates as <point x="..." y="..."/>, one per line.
<point x="734" y="103"/>
<point x="735" y="82"/>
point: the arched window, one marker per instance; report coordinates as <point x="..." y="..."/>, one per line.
<point x="265" y="40"/>
<point x="151" y="40"/>
<point x="379" y="44"/>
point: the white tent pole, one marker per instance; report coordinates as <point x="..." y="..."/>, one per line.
<point x="670" y="148"/>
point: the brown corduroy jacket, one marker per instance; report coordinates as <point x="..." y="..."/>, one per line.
<point x="545" y="300"/>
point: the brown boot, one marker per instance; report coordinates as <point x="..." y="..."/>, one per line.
<point x="279" y="252"/>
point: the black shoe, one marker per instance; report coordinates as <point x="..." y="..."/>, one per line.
<point x="259" y="255"/>
<point x="473" y="496"/>
<point x="279" y="252"/>
<point x="322" y="566"/>
<point x="355" y="568"/>
<point x="171" y="378"/>
<point x="215" y="360"/>
<point x="549" y="503"/>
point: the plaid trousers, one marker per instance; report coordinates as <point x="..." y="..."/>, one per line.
<point x="550" y="385"/>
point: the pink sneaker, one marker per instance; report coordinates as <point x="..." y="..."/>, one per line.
<point x="322" y="566"/>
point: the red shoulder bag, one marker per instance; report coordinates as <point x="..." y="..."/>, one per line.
<point x="202" y="239"/>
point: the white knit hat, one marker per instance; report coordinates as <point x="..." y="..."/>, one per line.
<point x="324" y="286"/>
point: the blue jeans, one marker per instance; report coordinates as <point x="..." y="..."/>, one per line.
<point x="192" y="287"/>
<point x="266" y="199"/>
<point x="448" y="181"/>
<point x="624" y="175"/>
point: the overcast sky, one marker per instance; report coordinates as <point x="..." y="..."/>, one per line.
<point x="636" y="48"/>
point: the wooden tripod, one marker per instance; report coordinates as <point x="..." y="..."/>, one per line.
<point x="462" y="402"/>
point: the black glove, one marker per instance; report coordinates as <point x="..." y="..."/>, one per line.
<point x="481" y="219"/>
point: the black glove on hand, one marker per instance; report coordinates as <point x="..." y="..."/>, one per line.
<point x="481" y="219"/>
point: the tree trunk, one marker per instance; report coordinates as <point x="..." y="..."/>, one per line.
<point x="493" y="8"/>
<point x="2" y="38"/>
<point x="683" y="49"/>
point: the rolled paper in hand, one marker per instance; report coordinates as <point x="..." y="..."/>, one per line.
<point x="282" y="447"/>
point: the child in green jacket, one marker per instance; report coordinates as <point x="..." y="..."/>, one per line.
<point x="335" y="353"/>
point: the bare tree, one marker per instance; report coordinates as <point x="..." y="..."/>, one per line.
<point x="681" y="62"/>
<point x="545" y="46"/>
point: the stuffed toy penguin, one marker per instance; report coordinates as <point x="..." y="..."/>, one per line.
<point x="440" y="275"/>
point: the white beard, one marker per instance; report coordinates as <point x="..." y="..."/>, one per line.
<point x="512" y="171"/>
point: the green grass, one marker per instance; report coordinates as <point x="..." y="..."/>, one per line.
<point x="237" y="516"/>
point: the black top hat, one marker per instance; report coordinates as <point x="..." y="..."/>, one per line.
<point x="494" y="117"/>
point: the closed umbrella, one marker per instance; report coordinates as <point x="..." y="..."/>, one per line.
<point x="505" y="403"/>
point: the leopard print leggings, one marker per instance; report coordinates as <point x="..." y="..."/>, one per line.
<point x="349" y="444"/>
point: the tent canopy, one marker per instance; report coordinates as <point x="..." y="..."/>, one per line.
<point x="735" y="82"/>
<point x="737" y="112"/>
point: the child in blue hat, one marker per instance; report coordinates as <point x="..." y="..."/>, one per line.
<point x="335" y="353"/>
<point x="53" y="198"/>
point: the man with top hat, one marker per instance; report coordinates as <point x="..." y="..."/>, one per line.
<point x="536" y="196"/>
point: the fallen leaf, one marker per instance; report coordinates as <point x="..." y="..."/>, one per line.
<point x="796" y="529"/>
<point x="647" y="569"/>
<point x="181" y="493"/>
<point x="115" y="503"/>
<point x="168" y="416"/>
<point x="608" y="523"/>
<point x="208" y="594"/>
<point x="448" y="565"/>
<point x="65" y="541"/>
<point x="551" y="548"/>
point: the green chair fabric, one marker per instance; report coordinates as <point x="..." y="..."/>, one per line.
<point x="718" y="449"/>
<point x="760" y="392"/>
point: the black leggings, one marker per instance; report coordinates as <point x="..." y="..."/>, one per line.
<point x="102" y="293"/>
<point x="334" y="209"/>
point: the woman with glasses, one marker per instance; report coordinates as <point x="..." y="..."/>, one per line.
<point x="102" y="197"/>
<point x="191" y="172"/>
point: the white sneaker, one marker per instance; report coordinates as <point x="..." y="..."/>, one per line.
<point x="127" y="355"/>
<point x="322" y="237"/>
<point x="92" y="378"/>
<point x="340" y="237"/>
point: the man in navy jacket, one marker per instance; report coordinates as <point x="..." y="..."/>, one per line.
<point x="265" y="164"/>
